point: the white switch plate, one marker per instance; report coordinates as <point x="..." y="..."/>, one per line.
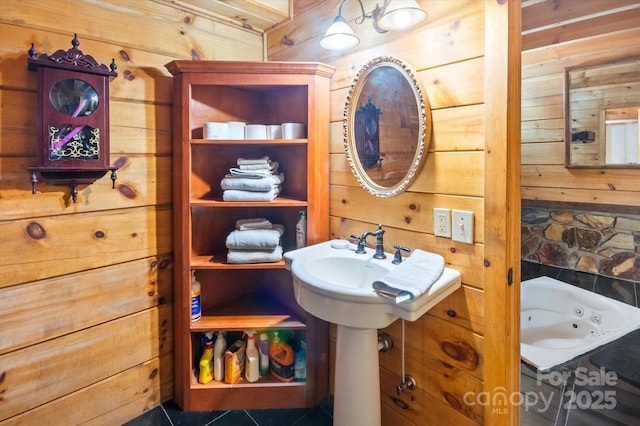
<point x="462" y="226"/>
<point x="442" y="223"/>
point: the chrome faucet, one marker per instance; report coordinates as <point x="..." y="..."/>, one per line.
<point x="362" y="241"/>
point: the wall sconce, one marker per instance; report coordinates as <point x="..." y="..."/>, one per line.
<point x="393" y="15"/>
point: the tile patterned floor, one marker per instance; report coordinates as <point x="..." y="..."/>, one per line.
<point x="576" y="393"/>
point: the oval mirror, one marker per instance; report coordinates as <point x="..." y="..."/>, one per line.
<point x="387" y="126"/>
<point x="74" y="97"/>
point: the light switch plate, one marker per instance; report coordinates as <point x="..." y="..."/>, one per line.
<point x="462" y="226"/>
<point x="442" y="223"/>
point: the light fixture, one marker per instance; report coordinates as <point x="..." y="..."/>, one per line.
<point x="400" y="15"/>
<point x="393" y="15"/>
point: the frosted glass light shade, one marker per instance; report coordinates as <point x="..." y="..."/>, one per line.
<point x="401" y="14"/>
<point x="339" y="36"/>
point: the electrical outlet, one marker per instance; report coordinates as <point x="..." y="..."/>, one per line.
<point x="441" y="223"/>
<point x="462" y="228"/>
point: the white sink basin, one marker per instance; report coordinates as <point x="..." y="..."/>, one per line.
<point x="334" y="284"/>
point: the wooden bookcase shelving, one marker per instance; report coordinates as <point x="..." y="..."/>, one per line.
<point x="239" y="297"/>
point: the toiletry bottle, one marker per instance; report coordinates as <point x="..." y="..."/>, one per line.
<point x="301" y="230"/>
<point x="252" y="359"/>
<point x="196" y="309"/>
<point x="263" y="346"/>
<point x="300" y="365"/>
<point x="218" y="356"/>
<point x="281" y="358"/>
<point x="206" y="364"/>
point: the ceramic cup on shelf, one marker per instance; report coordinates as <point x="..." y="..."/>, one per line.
<point x="255" y="131"/>
<point x="236" y="129"/>
<point x="215" y="130"/>
<point x="274" y="131"/>
<point x="292" y="130"/>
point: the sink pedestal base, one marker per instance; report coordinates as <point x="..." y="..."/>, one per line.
<point x="357" y="377"/>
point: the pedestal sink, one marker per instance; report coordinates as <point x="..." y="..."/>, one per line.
<point x="333" y="283"/>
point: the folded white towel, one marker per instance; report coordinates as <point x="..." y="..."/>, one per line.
<point x="239" y="195"/>
<point x="270" y="167"/>
<point x="253" y="223"/>
<point x="414" y="276"/>
<point x="255" y="239"/>
<point x="258" y="184"/>
<point x="264" y="161"/>
<point x="236" y="171"/>
<point x="254" y="256"/>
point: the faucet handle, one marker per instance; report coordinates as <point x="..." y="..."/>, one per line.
<point x="361" y="242"/>
<point x="397" y="258"/>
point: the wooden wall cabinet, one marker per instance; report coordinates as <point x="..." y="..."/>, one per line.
<point x="238" y="297"/>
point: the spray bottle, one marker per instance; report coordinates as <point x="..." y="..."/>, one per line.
<point x="252" y="360"/>
<point x="218" y="356"/>
<point x="301" y="230"/>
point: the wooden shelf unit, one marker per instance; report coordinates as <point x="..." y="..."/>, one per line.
<point x="238" y="297"/>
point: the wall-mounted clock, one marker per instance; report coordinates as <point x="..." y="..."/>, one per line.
<point x="73" y="118"/>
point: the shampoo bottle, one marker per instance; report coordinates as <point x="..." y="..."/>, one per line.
<point x="301" y="230"/>
<point x="252" y="359"/>
<point x="206" y="361"/>
<point x="281" y="358"/>
<point x="196" y="310"/>
<point x="218" y="356"/>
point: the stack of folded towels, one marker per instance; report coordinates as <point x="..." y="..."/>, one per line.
<point x="254" y="240"/>
<point x="255" y="179"/>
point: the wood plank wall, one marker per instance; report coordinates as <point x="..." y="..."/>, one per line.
<point x="559" y="34"/>
<point x="86" y="288"/>
<point x="444" y="349"/>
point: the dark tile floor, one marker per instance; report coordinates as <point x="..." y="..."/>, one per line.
<point x="168" y="414"/>
<point x="576" y="393"/>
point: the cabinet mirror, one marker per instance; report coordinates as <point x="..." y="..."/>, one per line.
<point x="387" y="126"/>
<point x="601" y="115"/>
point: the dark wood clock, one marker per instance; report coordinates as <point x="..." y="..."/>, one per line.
<point x="73" y="118"/>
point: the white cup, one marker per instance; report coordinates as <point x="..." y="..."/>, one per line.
<point x="215" y="130"/>
<point x="236" y="129"/>
<point x="274" y="131"/>
<point x="292" y="131"/>
<point x="255" y="131"/>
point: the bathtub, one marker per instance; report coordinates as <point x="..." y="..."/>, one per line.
<point x="559" y="321"/>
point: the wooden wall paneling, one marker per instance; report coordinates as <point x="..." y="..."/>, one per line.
<point x="544" y="176"/>
<point x="104" y="238"/>
<point x="76" y="360"/>
<point x="436" y="411"/>
<point x="624" y="18"/>
<point x="105" y="293"/>
<point x="142" y="181"/>
<point x="175" y="33"/>
<point x="113" y="400"/>
<point x="502" y="208"/>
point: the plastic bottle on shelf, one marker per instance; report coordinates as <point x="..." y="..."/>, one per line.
<point x="281" y="359"/>
<point x="196" y="308"/>
<point x="206" y="361"/>
<point x="263" y="346"/>
<point x="300" y="364"/>
<point x="252" y="359"/>
<point x="301" y="230"/>
<point x="218" y="356"/>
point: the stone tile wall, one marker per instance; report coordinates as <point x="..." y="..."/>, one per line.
<point x="599" y="243"/>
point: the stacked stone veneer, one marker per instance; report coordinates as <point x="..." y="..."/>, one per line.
<point x="599" y="243"/>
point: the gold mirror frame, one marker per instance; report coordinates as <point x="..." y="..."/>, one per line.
<point x="361" y="97"/>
